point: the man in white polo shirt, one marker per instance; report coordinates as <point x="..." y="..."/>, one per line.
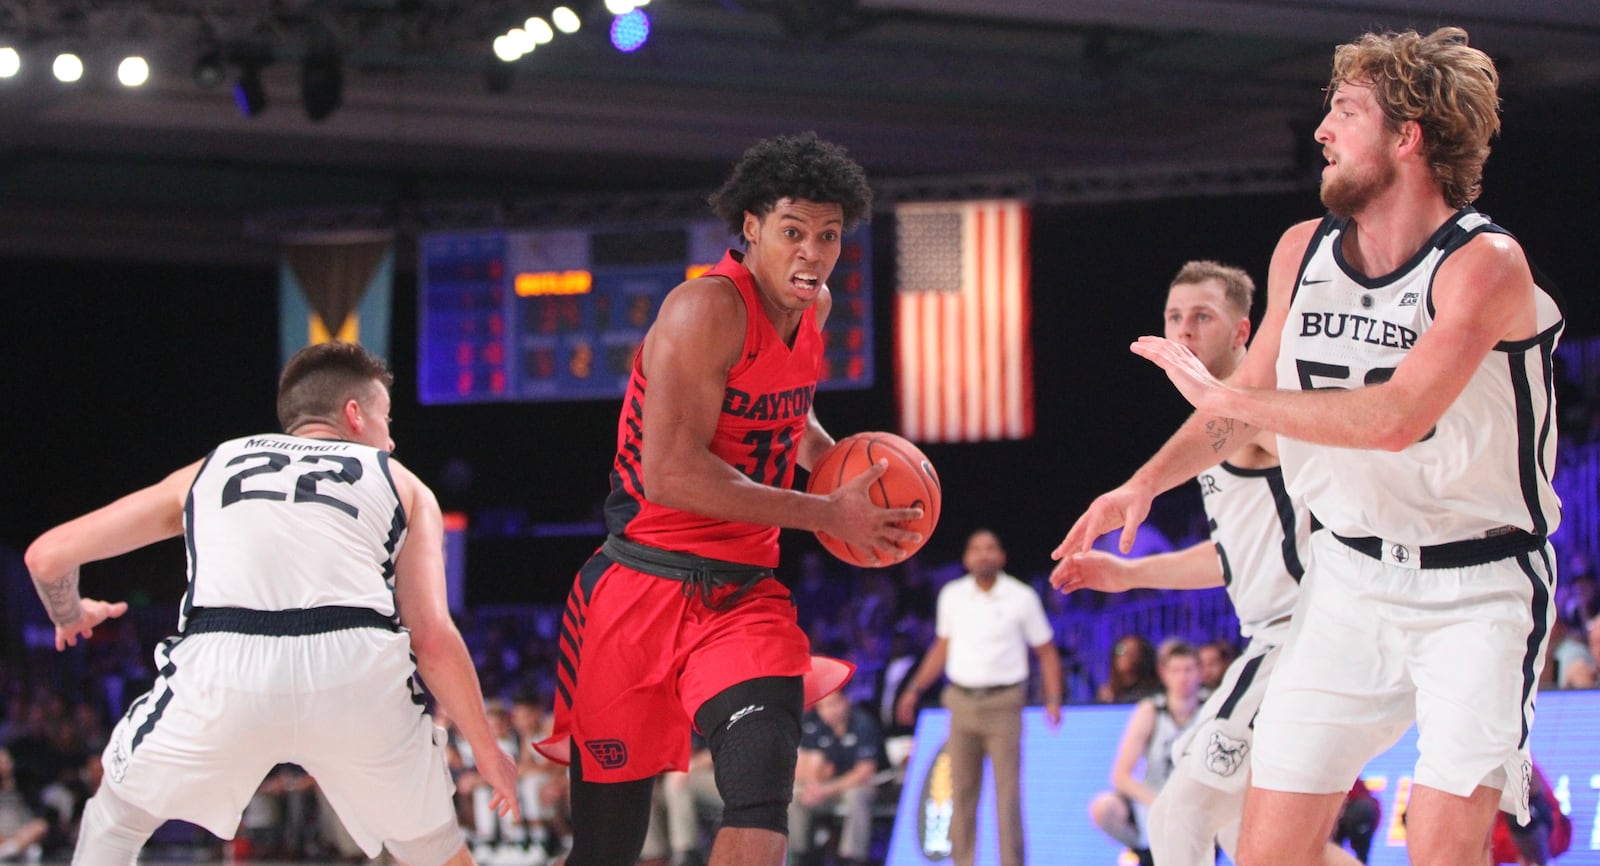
<point x="986" y="622"/>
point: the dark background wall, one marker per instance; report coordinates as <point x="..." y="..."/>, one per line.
<point x="112" y="374"/>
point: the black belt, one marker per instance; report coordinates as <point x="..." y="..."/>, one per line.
<point x="296" y="622"/>
<point x="700" y="574"/>
<point x="1455" y="554"/>
<point x="980" y="691"/>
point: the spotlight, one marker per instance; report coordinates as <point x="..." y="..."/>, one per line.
<point x="566" y="20"/>
<point x="619" y="7"/>
<point x="208" y="71"/>
<point x="630" y="31"/>
<point x="248" y="91"/>
<point x="133" y="71"/>
<point x="522" y="40"/>
<point x="10" y="62"/>
<point x="539" y="29"/>
<point x="68" y="67"/>
<point x="321" y="83"/>
<point x="506" y="48"/>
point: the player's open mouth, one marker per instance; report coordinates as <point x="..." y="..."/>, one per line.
<point x="805" y="283"/>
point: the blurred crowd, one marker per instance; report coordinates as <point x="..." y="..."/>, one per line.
<point x="56" y="711"/>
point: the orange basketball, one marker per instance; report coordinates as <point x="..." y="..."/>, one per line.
<point x="909" y="482"/>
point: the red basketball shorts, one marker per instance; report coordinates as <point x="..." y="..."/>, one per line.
<point x="639" y="657"/>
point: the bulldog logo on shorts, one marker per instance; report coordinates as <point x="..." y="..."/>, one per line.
<point x="610" y="754"/>
<point x="1523" y="785"/>
<point x="118" y="768"/>
<point x="1224" y="754"/>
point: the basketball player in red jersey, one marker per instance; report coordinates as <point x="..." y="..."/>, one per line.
<point x="677" y="617"/>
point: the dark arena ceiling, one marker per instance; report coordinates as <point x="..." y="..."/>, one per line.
<point x="1067" y="97"/>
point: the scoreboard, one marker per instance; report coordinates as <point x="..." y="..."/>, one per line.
<point x="557" y="314"/>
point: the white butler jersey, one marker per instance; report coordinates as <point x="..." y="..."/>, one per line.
<point x="331" y="504"/>
<point x="1486" y="465"/>
<point x="1261" y="535"/>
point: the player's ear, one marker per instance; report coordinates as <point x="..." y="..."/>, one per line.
<point x="352" y="416"/>
<point x="1241" y="333"/>
<point x="1410" y="133"/>
<point x="752" y="227"/>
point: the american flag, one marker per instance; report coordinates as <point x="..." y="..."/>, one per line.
<point x="963" y="356"/>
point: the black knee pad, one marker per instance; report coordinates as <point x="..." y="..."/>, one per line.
<point x="753" y="730"/>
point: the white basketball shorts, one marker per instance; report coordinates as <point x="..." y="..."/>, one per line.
<point x="227" y="707"/>
<point x="1374" y="646"/>
<point x="1215" y="751"/>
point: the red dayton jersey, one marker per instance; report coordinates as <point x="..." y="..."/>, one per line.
<point x="764" y="410"/>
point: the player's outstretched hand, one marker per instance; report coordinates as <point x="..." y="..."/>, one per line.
<point x="95" y="612"/>
<point x="1185" y="371"/>
<point x="1125" y="507"/>
<point x="864" y="524"/>
<point x="500" y="772"/>
<point x="1091" y="570"/>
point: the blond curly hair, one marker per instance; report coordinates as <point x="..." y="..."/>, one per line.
<point x="1448" y="87"/>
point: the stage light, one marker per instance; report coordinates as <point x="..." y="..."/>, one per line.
<point x="539" y="29"/>
<point x="68" y="67"/>
<point x="10" y="62"/>
<point x="506" y="49"/>
<point x="566" y="20"/>
<point x="133" y="71"/>
<point x="208" y="71"/>
<point x="619" y="7"/>
<point x="321" y="83"/>
<point x="522" y="39"/>
<point x="248" y="91"/>
<point x="630" y="31"/>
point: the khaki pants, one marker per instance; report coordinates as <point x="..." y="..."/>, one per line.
<point x="985" y="722"/>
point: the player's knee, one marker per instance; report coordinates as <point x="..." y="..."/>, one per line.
<point x="753" y="729"/>
<point x="1107" y="810"/>
<point x="430" y="849"/>
<point x="113" y="830"/>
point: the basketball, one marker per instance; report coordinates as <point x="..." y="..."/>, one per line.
<point x="910" y="481"/>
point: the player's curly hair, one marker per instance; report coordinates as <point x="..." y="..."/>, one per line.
<point x="797" y="167"/>
<point x="1448" y="87"/>
<point x="319" y="379"/>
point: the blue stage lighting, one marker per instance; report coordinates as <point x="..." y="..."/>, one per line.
<point x="630" y="31"/>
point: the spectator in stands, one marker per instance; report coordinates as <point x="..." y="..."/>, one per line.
<point x="906" y="648"/>
<point x="1578" y="588"/>
<point x="1571" y="665"/>
<point x="683" y="801"/>
<point x="20" y="826"/>
<point x="494" y="836"/>
<point x="1214" y="660"/>
<point x="1156" y="723"/>
<point x="839" y="748"/>
<point x="281" y="819"/>
<point x="541" y="784"/>
<point x="1133" y="672"/>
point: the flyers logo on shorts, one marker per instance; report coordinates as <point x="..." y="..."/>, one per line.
<point x="1224" y="754"/>
<point x="610" y="754"/>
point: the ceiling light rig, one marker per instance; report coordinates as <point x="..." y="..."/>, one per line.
<point x="629" y="29"/>
<point x="206" y="45"/>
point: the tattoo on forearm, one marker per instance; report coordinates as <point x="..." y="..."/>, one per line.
<point x="1220" y="430"/>
<point x="61" y="599"/>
